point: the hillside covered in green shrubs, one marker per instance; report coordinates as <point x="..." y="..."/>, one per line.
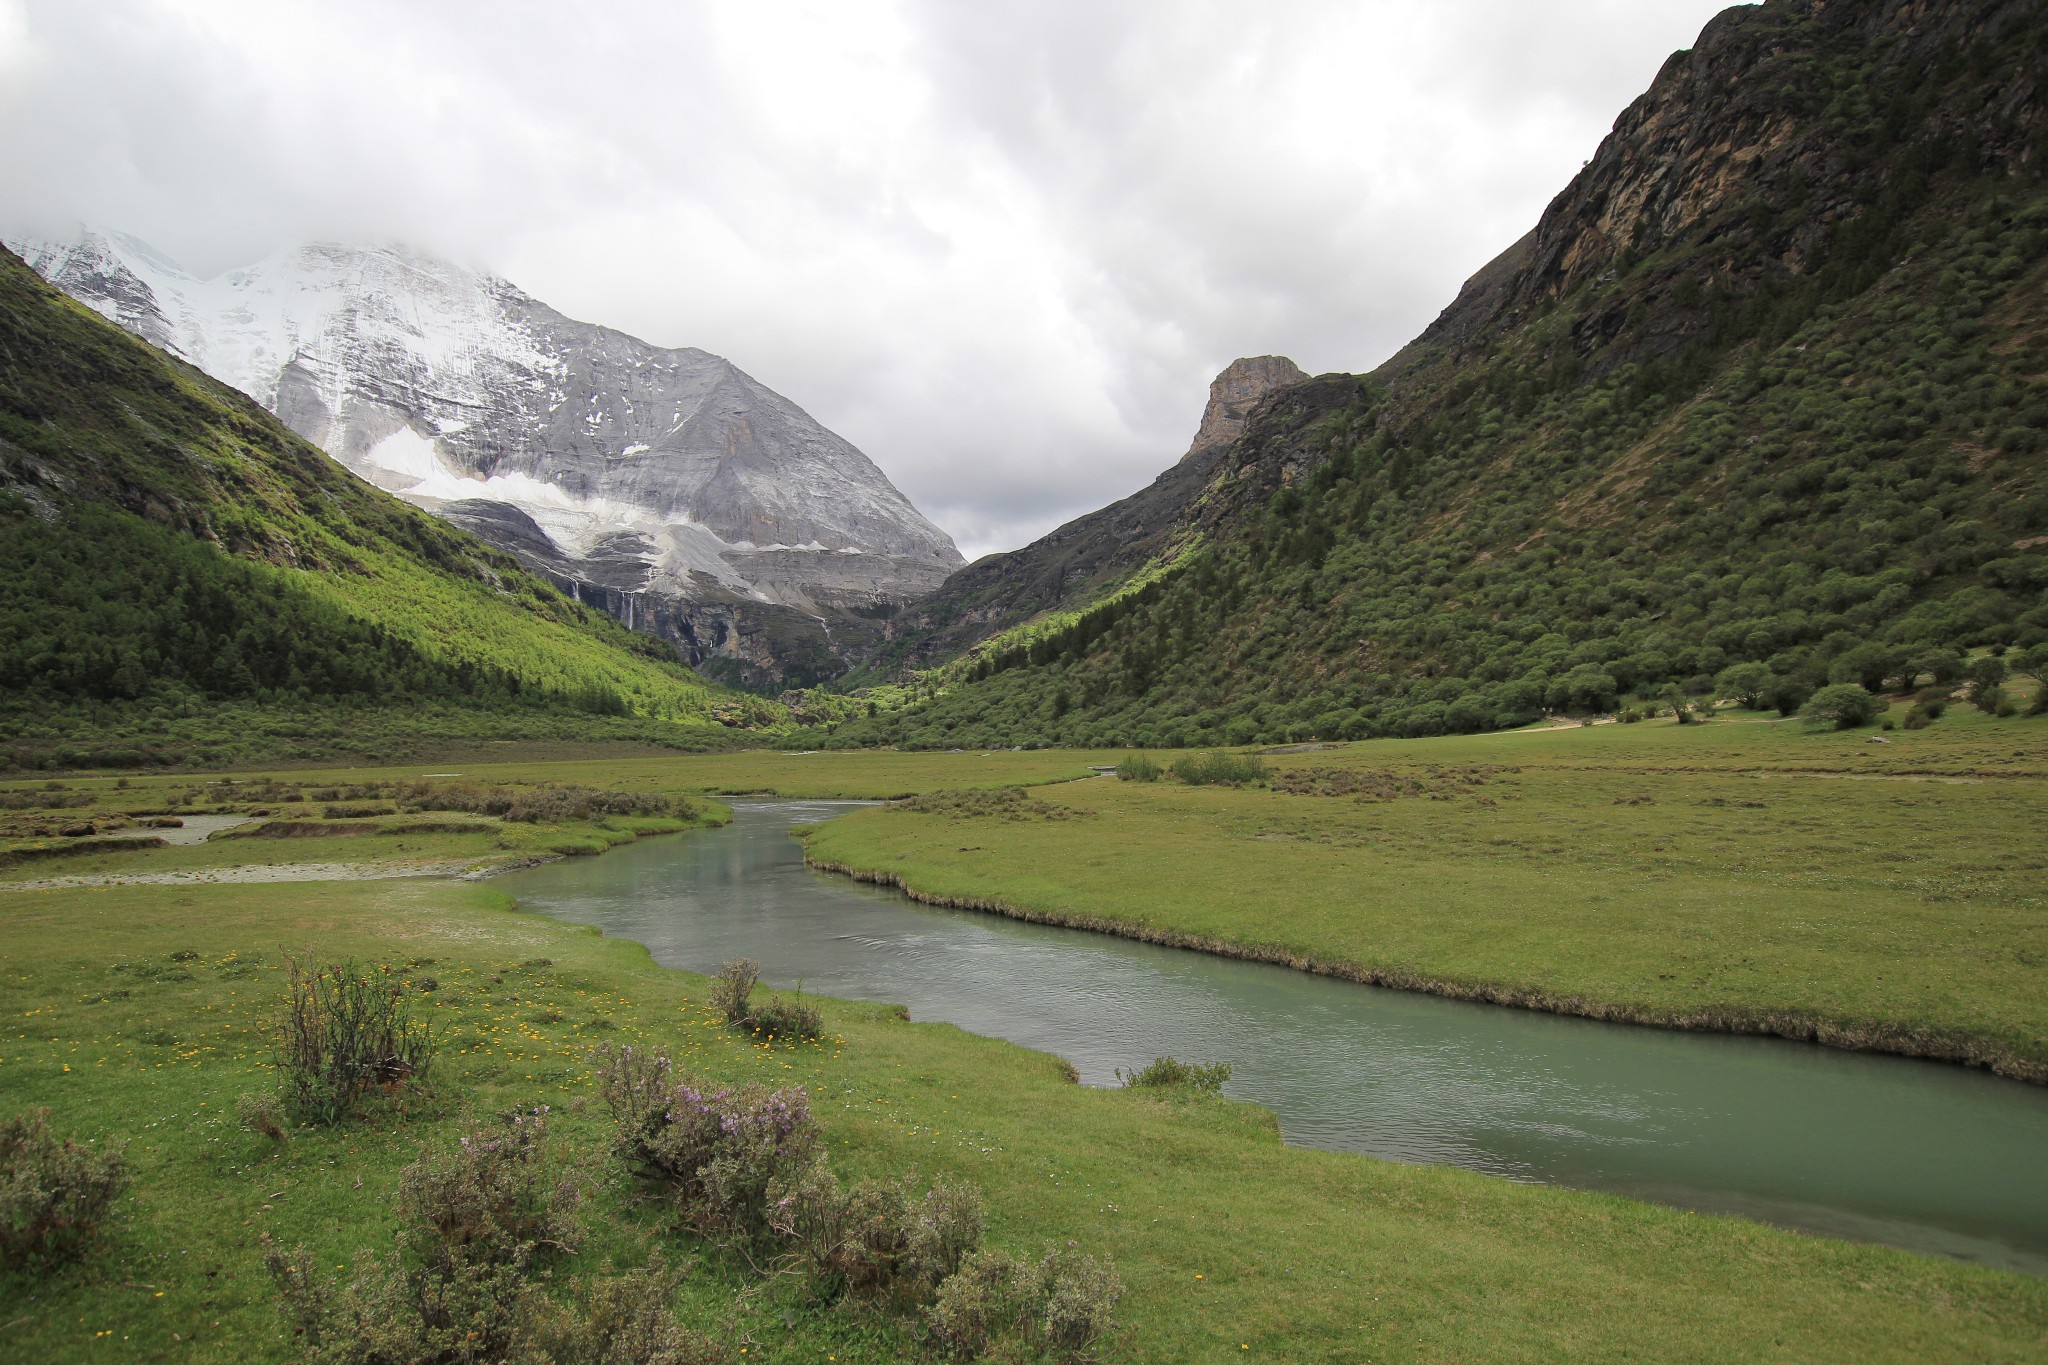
<point x="1765" y="390"/>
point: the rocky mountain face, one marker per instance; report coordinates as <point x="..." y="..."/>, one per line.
<point x="1075" y="563"/>
<point x="1753" y="160"/>
<point x="667" y="487"/>
<point x="1232" y="395"/>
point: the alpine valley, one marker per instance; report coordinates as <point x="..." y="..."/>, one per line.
<point x="1529" y="852"/>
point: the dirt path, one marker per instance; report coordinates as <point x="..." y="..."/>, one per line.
<point x="469" y="868"/>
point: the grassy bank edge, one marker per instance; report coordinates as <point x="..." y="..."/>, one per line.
<point x="1849" y="1035"/>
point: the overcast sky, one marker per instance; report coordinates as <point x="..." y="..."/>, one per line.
<point x="1001" y="245"/>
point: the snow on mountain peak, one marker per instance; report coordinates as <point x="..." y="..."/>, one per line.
<point x="446" y="387"/>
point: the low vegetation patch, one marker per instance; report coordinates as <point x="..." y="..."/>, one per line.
<point x="1166" y="1072"/>
<point x="1139" y="768"/>
<point x="1057" y="1309"/>
<point x="747" y="1164"/>
<point x="1379" y="784"/>
<point x="480" y="1224"/>
<point x="348" y="1037"/>
<point x="879" y="1240"/>
<point x="732" y="995"/>
<point x="1001" y="803"/>
<point x="55" y="1193"/>
<point x="1220" y="770"/>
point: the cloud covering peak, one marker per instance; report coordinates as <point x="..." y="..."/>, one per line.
<point x="1002" y="247"/>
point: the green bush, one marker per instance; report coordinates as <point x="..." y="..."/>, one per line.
<point x="732" y="996"/>
<point x="1839" y="706"/>
<point x="732" y="988"/>
<point x="1226" y="770"/>
<point x="1138" y="768"/>
<point x="54" y="1193"/>
<point x="877" y="1239"/>
<point x="1061" y="1309"/>
<point x="786" y="1019"/>
<point x="263" y="1113"/>
<point x="348" y="1035"/>
<point x="1165" y="1071"/>
<point x="1986" y="684"/>
<point x="459" y="1287"/>
<point x="394" y="1311"/>
<point x="619" y="1320"/>
<point x="489" y="1198"/>
<point x="718" y="1151"/>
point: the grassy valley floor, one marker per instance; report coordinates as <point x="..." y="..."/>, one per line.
<point x="1739" y="876"/>
<point x="1763" y="868"/>
<point x="1234" y="1246"/>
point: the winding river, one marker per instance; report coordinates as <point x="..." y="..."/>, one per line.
<point x="1915" y="1154"/>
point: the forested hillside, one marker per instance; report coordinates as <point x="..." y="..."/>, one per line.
<point x="167" y="546"/>
<point x="1766" y="389"/>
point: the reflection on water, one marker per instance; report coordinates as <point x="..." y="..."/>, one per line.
<point x="1911" y="1153"/>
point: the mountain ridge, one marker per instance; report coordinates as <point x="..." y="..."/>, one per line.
<point x="1764" y="386"/>
<point x="453" y="388"/>
<point x="1080" y="560"/>
<point x="174" y="560"/>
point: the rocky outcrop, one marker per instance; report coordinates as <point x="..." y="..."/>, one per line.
<point x="1233" y="393"/>
<point x="1078" y="561"/>
<point x="638" y="477"/>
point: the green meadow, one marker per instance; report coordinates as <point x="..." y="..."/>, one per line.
<point x="1733" y="875"/>
<point x="1712" y="874"/>
<point x="1232" y="1245"/>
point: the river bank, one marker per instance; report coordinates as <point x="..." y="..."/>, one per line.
<point x="1681" y="883"/>
<point x="1885" y="1039"/>
<point x="1232" y="1244"/>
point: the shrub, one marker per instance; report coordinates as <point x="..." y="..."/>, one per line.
<point x="619" y="1320"/>
<point x="393" y="1311"/>
<point x="347" y="1035"/>
<point x="1787" y="694"/>
<point x="54" y="1193"/>
<point x="458" y="1288"/>
<point x="718" y="1151"/>
<point x="262" y="1113"/>
<point x="732" y="987"/>
<point x="1138" y="768"/>
<point x="1061" y="1308"/>
<point x="877" y="1238"/>
<point x="1227" y="770"/>
<point x="1744" y="683"/>
<point x="1006" y="803"/>
<point x="489" y="1199"/>
<point x="1839" y="706"/>
<point x="1165" y="1071"/>
<point x="732" y="996"/>
<point x="786" y="1019"/>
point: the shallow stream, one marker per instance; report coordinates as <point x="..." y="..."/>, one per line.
<point x="1916" y="1154"/>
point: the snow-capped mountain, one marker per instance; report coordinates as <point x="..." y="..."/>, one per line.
<point x="643" y="478"/>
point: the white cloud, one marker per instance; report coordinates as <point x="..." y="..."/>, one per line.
<point x="1001" y="246"/>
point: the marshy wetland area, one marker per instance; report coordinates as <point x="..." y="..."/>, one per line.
<point x="1793" y="898"/>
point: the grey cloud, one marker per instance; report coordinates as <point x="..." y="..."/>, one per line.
<point x="1001" y="246"/>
